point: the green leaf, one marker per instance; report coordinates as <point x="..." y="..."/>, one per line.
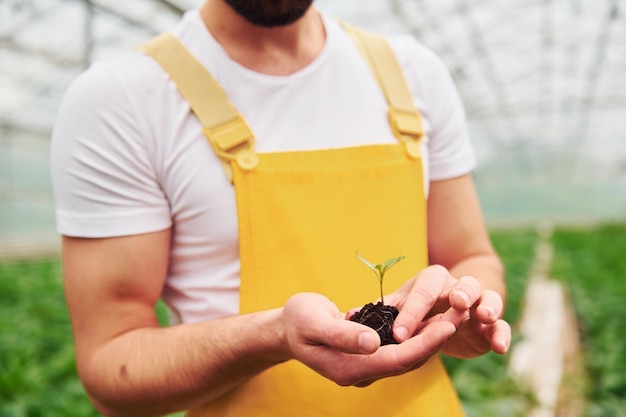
<point x="380" y="269"/>
<point x="366" y="262"/>
<point x="389" y="263"/>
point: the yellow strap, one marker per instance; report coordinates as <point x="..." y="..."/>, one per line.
<point x="405" y="119"/>
<point x="227" y="132"/>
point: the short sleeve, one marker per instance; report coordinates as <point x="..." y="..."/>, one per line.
<point x="103" y="176"/>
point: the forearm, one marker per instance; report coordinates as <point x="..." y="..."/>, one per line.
<point x="156" y="371"/>
<point x="458" y="238"/>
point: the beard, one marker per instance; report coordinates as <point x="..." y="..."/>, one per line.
<point x="270" y="13"/>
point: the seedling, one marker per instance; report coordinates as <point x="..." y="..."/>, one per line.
<point x="380" y="270"/>
<point x="379" y="316"/>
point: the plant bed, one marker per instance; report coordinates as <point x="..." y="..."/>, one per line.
<point x="484" y="383"/>
<point x="592" y="265"/>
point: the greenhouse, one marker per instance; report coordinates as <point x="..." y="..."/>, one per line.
<point x="543" y="83"/>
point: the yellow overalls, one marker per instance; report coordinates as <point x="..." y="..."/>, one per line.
<point x="302" y="216"/>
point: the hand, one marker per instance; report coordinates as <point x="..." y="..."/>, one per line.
<point x="434" y="294"/>
<point x="318" y="335"/>
<point x="484" y="331"/>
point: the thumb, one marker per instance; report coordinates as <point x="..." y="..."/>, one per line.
<point x="317" y="321"/>
<point x="347" y="337"/>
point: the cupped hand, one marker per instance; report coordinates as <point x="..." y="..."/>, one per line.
<point x="318" y="335"/>
<point x="435" y="295"/>
<point x="484" y="332"/>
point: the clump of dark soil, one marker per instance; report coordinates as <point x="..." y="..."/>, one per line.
<point x="379" y="317"/>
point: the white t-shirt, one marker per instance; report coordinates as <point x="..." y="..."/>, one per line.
<point x="128" y="156"/>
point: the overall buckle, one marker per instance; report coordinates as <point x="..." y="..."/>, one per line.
<point x="233" y="141"/>
<point x="407" y="126"/>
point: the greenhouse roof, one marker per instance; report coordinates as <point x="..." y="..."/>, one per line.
<point x="543" y="81"/>
<point x="532" y="73"/>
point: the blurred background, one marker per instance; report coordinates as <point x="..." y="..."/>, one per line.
<point x="544" y="85"/>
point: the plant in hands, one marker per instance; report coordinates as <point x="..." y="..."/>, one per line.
<point x="379" y="316"/>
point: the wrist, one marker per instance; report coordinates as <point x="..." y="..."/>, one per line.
<point x="269" y="346"/>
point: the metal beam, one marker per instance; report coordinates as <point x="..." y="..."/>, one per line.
<point x="445" y="49"/>
<point x="595" y="69"/>
<point x="498" y="88"/>
<point x="50" y="56"/>
<point x="172" y="6"/>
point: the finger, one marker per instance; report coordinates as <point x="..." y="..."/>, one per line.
<point x="312" y="320"/>
<point x="396" y="297"/>
<point x="428" y="288"/>
<point x="465" y="293"/>
<point x="490" y="307"/>
<point x="398" y="359"/>
<point x="344" y="336"/>
<point x="498" y="335"/>
<point x="457" y="318"/>
<point x="352" y="312"/>
<point x="418" y="349"/>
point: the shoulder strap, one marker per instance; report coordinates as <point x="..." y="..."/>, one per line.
<point x="225" y="129"/>
<point x="405" y="119"/>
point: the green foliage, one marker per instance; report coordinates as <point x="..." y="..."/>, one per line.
<point x="486" y="389"/>
<point x="380" y="270"/>
<point x="483" y="383"/>
<point x="162" y="314"/>
<point x="38" y="374"/>
<point x="593" y="266"/>
<point x="517" y="250"/>
<point x="37" y="370"/>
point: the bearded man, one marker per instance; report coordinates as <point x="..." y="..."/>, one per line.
<point x="232" y="167"/>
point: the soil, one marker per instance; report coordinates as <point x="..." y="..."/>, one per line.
<point x="379" y="317"/>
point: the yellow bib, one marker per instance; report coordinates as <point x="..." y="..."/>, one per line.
<point x="302" y="217"/>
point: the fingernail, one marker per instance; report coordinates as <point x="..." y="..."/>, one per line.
<point x="451" y="333"/>
<point x="505" y="345"/>
<point x="490" y="311"/>
<point x="465" y="298"/>
<point x="367" y="342"/>
<point x="466" y="317"/>
<point x="401" y="333"/>
<point x="459" y="299"/>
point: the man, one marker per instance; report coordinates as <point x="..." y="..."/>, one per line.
<point x="251" y="243"/>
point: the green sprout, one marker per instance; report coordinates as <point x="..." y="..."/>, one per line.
<point x="380" y="270"/>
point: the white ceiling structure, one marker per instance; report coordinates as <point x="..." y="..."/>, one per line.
<point x="543" y="82"/>
<point x="541" y="75"/>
